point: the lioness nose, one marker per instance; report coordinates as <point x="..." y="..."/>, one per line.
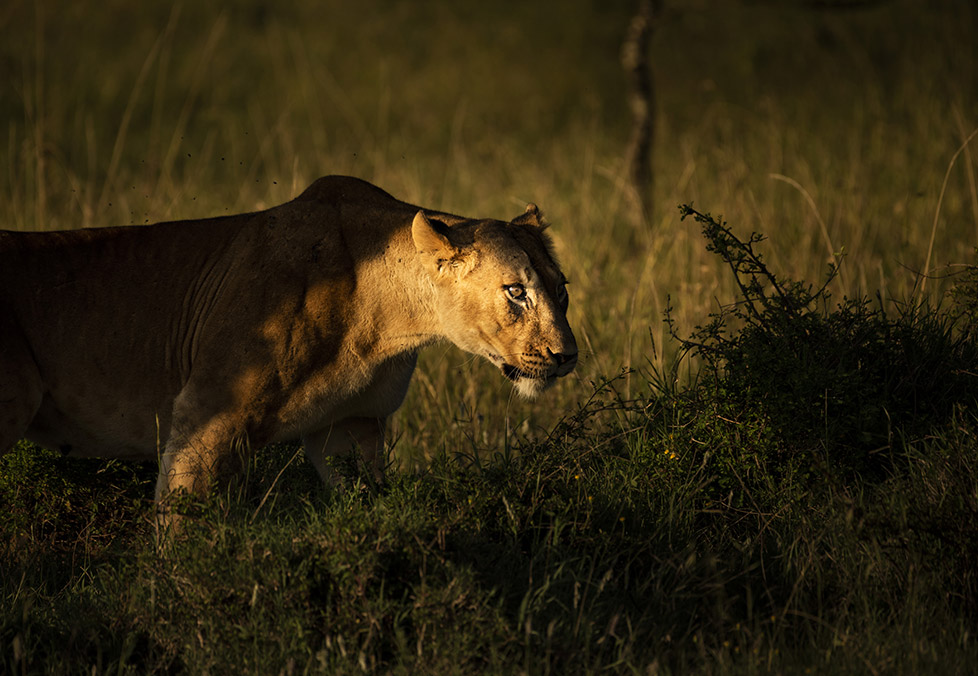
<point x="565" y="361"/>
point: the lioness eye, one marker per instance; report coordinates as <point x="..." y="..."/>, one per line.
<point x="562" y="293"/>
<point x="515" y="291"/>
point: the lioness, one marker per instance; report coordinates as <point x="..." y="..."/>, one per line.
<point x="187" y="340"/>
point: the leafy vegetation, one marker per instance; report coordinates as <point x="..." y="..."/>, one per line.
<point x="841" y="381"/>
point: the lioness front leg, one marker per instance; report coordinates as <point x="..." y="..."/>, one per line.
<point x="191" y="465"/>
<point x="363" y="436"/>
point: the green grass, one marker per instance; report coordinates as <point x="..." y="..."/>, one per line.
<point x="598" y="548"/>
<point x="651" y="523"/>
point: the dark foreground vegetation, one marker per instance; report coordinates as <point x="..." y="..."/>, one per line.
<point x="808" y="503"/>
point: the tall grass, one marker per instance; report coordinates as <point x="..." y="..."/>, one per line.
<point x="827" y="131"/>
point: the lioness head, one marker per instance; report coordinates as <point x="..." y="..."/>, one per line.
<point x="499" y="293"/>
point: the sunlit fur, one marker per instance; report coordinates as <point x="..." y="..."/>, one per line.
<point x="189" y="341"/>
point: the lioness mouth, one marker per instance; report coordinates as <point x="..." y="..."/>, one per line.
<point x="514" y="373"/>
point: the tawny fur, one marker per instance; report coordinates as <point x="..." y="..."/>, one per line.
<point x="187" y="341"/>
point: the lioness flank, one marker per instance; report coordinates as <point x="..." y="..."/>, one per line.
<point x="187" y="340"/>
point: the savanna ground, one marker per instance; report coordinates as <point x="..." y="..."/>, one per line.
<point x="791" y="488"/>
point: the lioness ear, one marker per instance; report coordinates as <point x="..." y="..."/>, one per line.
<point x="428" y="237"/>
<point x="531" y="216"/>
<point x="431" y="239"/>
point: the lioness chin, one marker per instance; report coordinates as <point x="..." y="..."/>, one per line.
<point x="180" y="340"/>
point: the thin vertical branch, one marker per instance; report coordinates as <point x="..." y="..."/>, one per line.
<point x="635" y="61"/>
<point x="40" y="176"/>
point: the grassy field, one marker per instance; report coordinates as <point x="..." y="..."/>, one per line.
<point x="730" y="511"/>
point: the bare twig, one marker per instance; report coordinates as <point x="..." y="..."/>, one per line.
<point x="635" y="61"/>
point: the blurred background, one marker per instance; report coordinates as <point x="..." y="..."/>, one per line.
<point x="827" y="126"/>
